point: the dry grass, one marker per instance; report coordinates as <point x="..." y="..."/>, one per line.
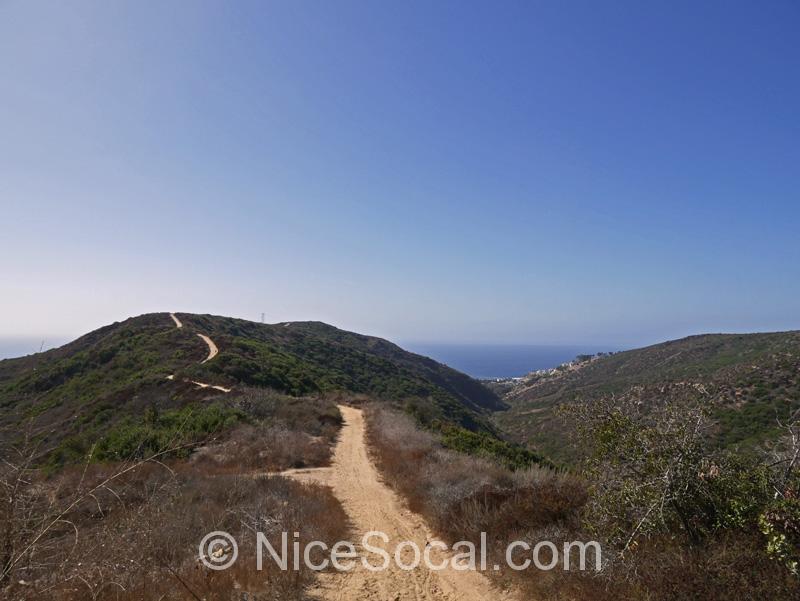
<point x="138" y="539"/>
<point x="285" y="432"/>
<point x="315" y="415"/>
<point x="263" y="448"/>
<point x="130" y="531"/>
<point x="462" y="496"/>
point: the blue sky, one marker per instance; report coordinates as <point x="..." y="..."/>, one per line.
<point x="529" y="172"/>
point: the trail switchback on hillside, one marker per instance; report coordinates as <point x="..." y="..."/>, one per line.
<point x="212" y="352"/>
<point x="212" y="348"/>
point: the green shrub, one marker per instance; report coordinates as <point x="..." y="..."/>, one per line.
<point x="780" y="523"/>
<point x="480" y="444"/>
<point x="156" y="433"/>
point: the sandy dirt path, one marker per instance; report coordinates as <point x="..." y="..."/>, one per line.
<point x="214" y="386"/>
<point x="212" y="348"/>
<point x="373" y="506"/>
<point x="212" y="352"/>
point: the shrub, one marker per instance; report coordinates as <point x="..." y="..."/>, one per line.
<point x="154" y="433"/>
<point x="125" y="532"/>
<point x="481" y="444"/>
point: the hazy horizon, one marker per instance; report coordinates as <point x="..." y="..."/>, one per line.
<point x="16" y="346"/>
<point x="479" y="360"/>
<point x="53" y="340"/>
<point x="519" y="174"/>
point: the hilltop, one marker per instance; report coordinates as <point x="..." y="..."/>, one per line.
<point x="750" y="380"/>
<point x="122" y="369"/>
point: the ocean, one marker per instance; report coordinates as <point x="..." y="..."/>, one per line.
<point x="501" y="360"/>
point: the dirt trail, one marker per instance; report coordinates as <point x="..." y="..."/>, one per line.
<point x="371" y="505"/>
<point x="212" y="348"/>
<point x="212" y="352"/>
<point x="214" y="386"/>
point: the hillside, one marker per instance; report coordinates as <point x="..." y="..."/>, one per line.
<point x="122" y="369"/>
<point x="750" y="379"/>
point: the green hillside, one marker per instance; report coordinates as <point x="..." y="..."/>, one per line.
<point x="750" y="379"/>
<point x="123" y="369"/>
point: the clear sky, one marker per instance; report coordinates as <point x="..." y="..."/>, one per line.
<point x="531" y="172"/>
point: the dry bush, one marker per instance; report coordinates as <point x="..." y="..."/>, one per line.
<point x="400" y="449"/>
<point x="462" y="496"/>
<point x="283" y="432"/>
<point x="317" y="416"/>
<point x="732" y="566"/>
<point x="145" y="546"/>
<point x="130" y="531"/>
<point x="263" y="448"/>
<point x="511" y="512"/>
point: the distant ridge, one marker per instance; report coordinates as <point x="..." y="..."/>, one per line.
<point x="751" y="380"/>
